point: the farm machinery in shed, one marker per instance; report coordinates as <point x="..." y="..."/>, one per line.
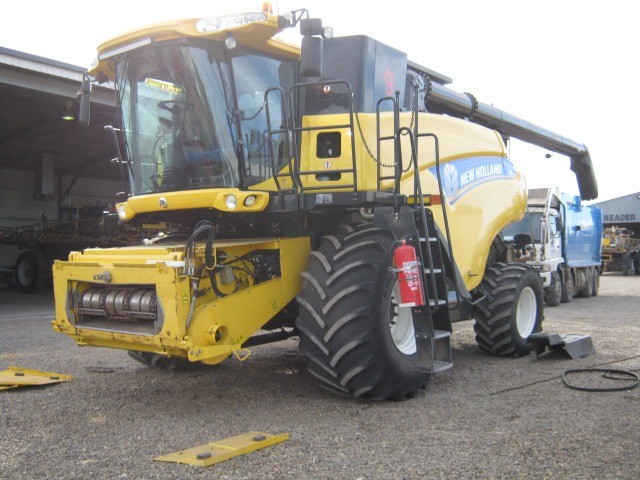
<point x="336" y="192"/>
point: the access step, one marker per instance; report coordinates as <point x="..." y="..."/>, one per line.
<point x="440" y="367"/>
<point x="435" y="351"/>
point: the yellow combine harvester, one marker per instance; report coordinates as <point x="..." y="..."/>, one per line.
<point x="316" y="192"/>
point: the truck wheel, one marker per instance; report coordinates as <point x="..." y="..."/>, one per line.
<point x="32" y="271"/>
<point x="511" y="309"/>
<point x="567" y="289"/>
<point x="356" y="340"/>
<point x="587" y="286"/>
<point x="553" y="292"/>
<point x="595" y="283"/>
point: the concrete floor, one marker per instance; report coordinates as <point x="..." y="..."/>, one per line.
<point x="488" y="417"/>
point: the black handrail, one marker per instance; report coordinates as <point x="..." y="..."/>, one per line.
<point x="286" y="130"/>
<point x="296" y="149"/>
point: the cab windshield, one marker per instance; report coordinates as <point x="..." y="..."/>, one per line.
<point x="531" y="224"/>
<point x="190" y="122"/>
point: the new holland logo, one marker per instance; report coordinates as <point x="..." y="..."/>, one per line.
<point x="450" y="180"/>
<point x="460" y="176"/>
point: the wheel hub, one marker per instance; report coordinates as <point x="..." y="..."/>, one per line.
<point x="526" y="312"/>
<point x="401" y="324"/>
<point x="25" y="273"/>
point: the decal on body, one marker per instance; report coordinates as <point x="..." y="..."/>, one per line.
<point x="461" y="176"/>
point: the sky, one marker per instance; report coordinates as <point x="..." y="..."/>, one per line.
<point x="567" y="65"/>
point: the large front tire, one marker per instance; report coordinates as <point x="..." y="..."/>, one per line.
<point x="511" y="310"/>
<point x="355" y="338"/>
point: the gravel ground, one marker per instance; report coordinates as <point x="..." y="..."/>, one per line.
<point x="488" y="417"/>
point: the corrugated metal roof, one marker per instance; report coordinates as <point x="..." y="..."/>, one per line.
<point x="35" y="63"/>
<point x="34" y="93"/>
<point x="632" y="197"/>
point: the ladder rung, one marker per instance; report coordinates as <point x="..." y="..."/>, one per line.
<point x="431" y="239"/>
<point x="432" y="303"/>
<point x="435" y="270"/>
<point x="440" y="366"/>
<point x="438" y="334"/>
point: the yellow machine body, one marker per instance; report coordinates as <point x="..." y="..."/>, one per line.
<point x="489" y="195"/>
<point x="104" y="297"/>
<point x="209" y="330"/>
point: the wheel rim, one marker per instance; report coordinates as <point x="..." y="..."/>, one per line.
<point x="401" y="324"/>
<point x="25" y="273"/>
<point x="526" y="312"/>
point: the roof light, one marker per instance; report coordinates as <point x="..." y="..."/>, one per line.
<point x="230" y="42"/>
<point x="67" y="113"/>
<point x="215" y="24"/>
<point x="124" y="48"/>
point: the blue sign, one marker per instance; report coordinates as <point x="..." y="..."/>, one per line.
<point x="461" y="176"/>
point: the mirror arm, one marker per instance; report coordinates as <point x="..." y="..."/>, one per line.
<point x="85" y="101"/>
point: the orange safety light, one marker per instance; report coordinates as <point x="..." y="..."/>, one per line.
<point x="267" y="8"/>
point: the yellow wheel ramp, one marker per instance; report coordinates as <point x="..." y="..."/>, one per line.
<point x="216" y="452"/>
<point x="15" y="377"/>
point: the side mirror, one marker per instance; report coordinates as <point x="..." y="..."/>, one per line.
<point x="522" y="240"/>
<point x="311" y="57"/>
<point x="313" y="34"/>
<point x="85" y="102"/>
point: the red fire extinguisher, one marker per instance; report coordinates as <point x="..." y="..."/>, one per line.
<point x="407" y="267"/>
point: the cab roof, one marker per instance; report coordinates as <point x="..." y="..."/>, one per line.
<point x="255" y="30"/>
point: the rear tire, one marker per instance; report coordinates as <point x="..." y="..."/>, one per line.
<point x="356" y="340"/>
<point x="511" y="310"/>
<point x="32" y="272"/>
<point x="553" y="293"/>
<point x="595" y="283"/>
<point x="567" y="289"/>
<point x="587" y="286"/>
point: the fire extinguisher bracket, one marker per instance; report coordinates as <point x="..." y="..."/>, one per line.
<point x="407" y="266"/>
<point x="405" y="305"/>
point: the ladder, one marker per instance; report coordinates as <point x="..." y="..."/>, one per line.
<point x="432" y="321"/>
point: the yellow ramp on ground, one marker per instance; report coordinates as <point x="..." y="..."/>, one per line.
<point x="215" y="452"/>
<point x="23" y="377"/>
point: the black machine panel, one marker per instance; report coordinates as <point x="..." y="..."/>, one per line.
<point x="374" y="70"/>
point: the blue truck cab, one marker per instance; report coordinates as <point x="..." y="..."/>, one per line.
<point x="562" y="238"/>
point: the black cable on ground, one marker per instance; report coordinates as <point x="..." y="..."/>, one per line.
<point x="623" y="373"/>
<point x="545" y="380"/>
